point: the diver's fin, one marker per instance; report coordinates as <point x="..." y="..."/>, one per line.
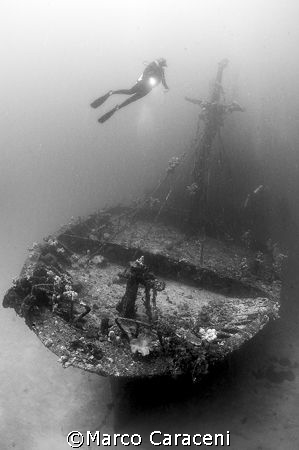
<point x="108" y="115"/>
<point x="99" y="101"/>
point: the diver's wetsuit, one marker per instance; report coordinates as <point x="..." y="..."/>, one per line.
<point x="151" y="77"/>
<point x="143" y="85"/>
<point x="139" y="90"/>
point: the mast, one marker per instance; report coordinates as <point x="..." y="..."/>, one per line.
<point x="213" y="118"/>
<point x="184" y="191"/>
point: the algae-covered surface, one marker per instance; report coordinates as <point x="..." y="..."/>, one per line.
<point x="214" y="297"/>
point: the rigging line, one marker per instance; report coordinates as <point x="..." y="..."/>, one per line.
<point x="174" y="181"/>
<point x="224" y="154"/>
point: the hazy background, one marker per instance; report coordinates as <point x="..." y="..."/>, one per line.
<point x="57" y="161"/>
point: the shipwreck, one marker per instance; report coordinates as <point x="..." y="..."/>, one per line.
<point x="158" y="287"/>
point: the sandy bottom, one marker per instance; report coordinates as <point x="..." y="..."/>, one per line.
<point x="255" y="396"/>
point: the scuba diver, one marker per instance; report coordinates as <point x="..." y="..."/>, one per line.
<point x="152" y="75"/>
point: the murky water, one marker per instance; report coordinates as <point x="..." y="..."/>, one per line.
<point x="58" y="162"/>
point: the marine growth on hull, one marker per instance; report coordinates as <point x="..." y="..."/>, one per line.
<point x="132" y="298"/>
